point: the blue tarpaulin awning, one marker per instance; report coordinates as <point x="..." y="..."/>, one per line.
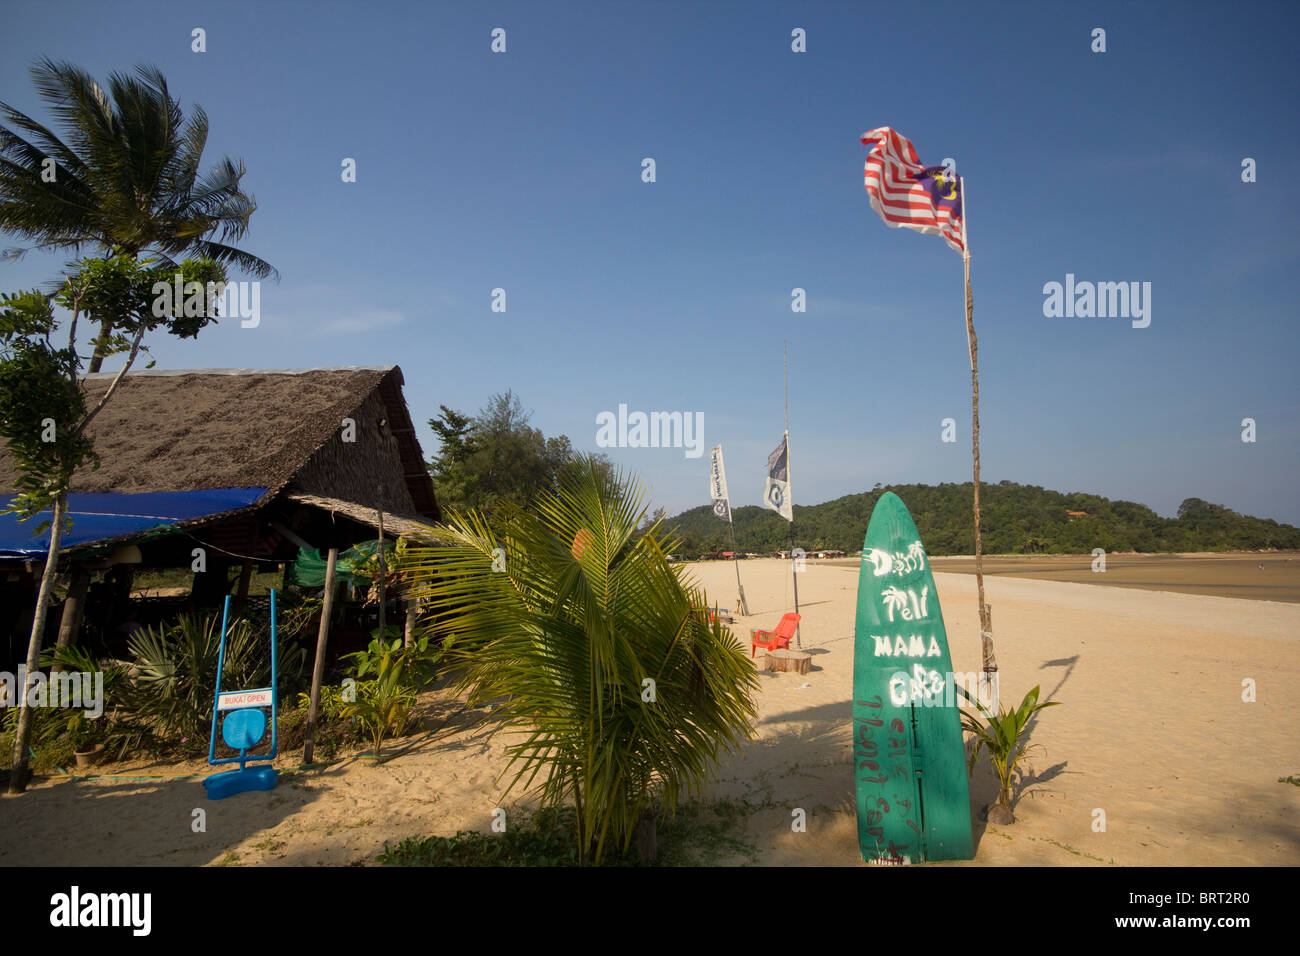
<point x="99" y="517"/>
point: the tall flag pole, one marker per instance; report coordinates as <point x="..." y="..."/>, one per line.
<point x="932" y="200"/>
<point x="776" y="493"/>
<point x="986" y="613"/>
<point x="722" y="508"/>
<point x="794" y="562"/>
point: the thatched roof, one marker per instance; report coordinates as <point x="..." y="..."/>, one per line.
<point x="246" y="428"/>
<point x="395" y="525"/>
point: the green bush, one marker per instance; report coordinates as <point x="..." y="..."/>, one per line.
<point x="160" y="701"/>
<point x="547" y="840"/>
<point x="383" y="703"/>
<point x="51" y="750"/>
<point x="173" y="669"/>
<point x="57" y="732"/>
<point x="174" y="672"/>
<point x="335" y="731"/>
<point x="700" y="834"/>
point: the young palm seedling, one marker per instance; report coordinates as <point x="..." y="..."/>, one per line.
<point x="1001" y="735"/>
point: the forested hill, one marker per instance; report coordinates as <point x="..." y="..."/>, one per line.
<point x="1017" y="519"/>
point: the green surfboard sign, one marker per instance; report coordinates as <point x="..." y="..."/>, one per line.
<point x="908" y="757"/>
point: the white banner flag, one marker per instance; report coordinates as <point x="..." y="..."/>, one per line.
<point x="776" y="495"/>
<point x="718" y="485"/>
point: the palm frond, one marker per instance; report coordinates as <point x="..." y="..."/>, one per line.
<point x="589" y="640"/>
<point x="127" y="171"/>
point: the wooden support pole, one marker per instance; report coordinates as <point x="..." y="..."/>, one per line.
<point x="412" y="620"/>
<point x="383" y="570"/>
<point x="322" y="641"/>
<point x="74" y="609"/>
<point x="245" y="579"/>
<point x="990" y="662"/>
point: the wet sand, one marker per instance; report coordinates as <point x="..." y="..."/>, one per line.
<point x="1272" y="576"/>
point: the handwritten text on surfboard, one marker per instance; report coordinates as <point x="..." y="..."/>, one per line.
<point x="867" y="727"/>
<point x="900" y="562"/>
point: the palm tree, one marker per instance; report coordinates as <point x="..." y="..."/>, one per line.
<point x="39" y="382"/>
<point x="125" y="175"/>
<point x="125" y="178"/>
<point x="592" y="645"/>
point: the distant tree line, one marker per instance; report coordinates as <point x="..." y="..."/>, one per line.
<point x="496" y="460"/>
<point x="1017" y="519"/>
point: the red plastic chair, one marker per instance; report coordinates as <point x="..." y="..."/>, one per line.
<point x="775" y="639"/>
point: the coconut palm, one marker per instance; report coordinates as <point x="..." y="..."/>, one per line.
<point x="125" y="175"/>
<point x="40" y="383"/>
<point x="1003" y="735"/>
<point x="591" y="644"/>
<point x="125" y="178"/>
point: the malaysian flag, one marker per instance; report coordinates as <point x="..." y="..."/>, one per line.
<point x="907" y="194"/>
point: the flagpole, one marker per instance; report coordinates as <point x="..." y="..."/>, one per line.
<point x="718" y="493"/>
<point x="743" y="607"/>
<point x="986" y="623"/>
<point x="965" y="256"/>
<point x="789" y="477"/>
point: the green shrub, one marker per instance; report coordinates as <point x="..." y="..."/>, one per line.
<point x="334" y="730"/>
<point x="59" y="731"/>
<point x="701" y="834"/>
<point x="546" y="840"/>
<point x="160" y="702"/>
<point x="51" y="750"/>
<point x="173" y="671"/>
<point x="383" y="703"/>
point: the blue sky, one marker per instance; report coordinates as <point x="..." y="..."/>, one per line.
<point x="522" y="171"/>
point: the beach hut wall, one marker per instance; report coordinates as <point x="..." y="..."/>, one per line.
<point x="364" y="469"/>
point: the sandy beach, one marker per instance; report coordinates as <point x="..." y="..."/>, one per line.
<point x="1153" y="731"/>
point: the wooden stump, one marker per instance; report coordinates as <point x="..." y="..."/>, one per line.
<point x="788" y="660"/>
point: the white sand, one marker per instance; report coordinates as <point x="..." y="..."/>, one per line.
<point x="1153" y="731"/>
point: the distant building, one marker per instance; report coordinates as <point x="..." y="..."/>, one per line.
<point x="1077" y="514"/>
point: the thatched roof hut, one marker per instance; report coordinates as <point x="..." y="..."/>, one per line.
<point x="333" y="433"/>
<point x="227" y="428"/>
<point x="249" y="465"/>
